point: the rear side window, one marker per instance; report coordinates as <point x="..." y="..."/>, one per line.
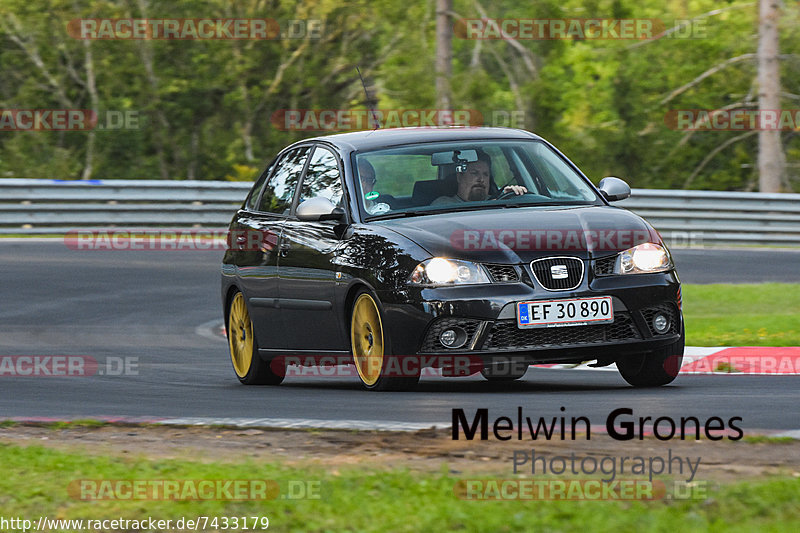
<point x="278" y="193"/>
<point x="255" y="192"/>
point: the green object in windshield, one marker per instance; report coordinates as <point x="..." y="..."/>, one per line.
<point x="371" y="195"/>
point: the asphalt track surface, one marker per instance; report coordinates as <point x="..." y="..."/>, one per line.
<point x="146" y="306"/>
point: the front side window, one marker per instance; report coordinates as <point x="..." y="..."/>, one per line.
<point x="557" y="178"/>
<point x="278" y="193"/>
<point x="322" y="177"/>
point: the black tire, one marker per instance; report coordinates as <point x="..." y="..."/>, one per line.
<point x="248" y="366"/>
<point x="655" y="368"/>
<point x="371" y="348"/>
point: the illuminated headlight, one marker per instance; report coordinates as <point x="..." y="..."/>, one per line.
<point x="441" y="271"/>
<point x="643" y="258"/>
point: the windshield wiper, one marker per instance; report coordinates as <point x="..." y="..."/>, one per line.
<point x="450" y="208"/>
<point x="547" y="204"/>
<point x="398" y="214"/>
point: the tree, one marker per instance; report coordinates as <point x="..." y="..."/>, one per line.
<point x="444" y="53"/>
<point x="771" y="159"/>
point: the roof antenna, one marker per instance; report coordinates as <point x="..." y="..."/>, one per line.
<point x="369" y="100"/>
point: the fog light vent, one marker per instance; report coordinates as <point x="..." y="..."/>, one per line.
<point x="432" y="342"/>
<point x="662" y="319"/>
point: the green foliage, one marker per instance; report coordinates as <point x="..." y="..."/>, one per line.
<point x="243" y="173"/>
<point x="208" y="109"/>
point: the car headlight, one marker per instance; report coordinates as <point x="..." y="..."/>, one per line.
<point x="643" y="258"/>
<point x="441" y="271"/>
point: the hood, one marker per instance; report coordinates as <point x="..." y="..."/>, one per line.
<point x="522" y="234"/>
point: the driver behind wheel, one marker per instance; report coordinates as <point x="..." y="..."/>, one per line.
<point x="473" y="183"/>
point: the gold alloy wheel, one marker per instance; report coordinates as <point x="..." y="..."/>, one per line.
<point x="366" y="334"/>
<point x="240" y="336"/>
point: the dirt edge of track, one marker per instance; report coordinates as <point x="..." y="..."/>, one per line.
<point x="423" y="451"/>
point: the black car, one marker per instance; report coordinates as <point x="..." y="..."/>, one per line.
<point x="479" y="248"/>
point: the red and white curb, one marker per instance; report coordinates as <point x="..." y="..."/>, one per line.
<point x="738" y="361"/>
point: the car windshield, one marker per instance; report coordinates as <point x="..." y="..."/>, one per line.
<point x="438" y="177"/>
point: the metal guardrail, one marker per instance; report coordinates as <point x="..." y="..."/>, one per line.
<point x="687" y="218"/>
<point x="39" y="206"/>
<point x="695" y="218"/>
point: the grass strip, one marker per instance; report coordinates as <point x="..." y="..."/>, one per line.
<point x="764" y="314"/>
<point x="35" y="483"/>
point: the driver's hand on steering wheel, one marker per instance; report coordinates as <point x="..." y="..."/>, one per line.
<point x="516" y="189"/>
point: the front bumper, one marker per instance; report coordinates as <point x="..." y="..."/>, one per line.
<point x="487" y="313"/>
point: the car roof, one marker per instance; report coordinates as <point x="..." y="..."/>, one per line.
<point x="383" y="138"/>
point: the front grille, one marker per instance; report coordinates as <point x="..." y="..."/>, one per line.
<point x="542" y="270"/>
<point x="505" y="335"/>
<point x="605" y="266"/>
<point x="502" y="273"/>
<point x="666" y="308"/>
<point x="431" y="342"/>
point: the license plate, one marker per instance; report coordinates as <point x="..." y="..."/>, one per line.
<point x="571" y="312"/>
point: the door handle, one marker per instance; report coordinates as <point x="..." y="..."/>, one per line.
<point x="238" y="242"/>
<point x="284" y="248"/>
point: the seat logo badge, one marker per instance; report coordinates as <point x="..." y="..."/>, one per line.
<point x="559" y="272"/>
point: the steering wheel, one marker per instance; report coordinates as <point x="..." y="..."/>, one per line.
<point x="509" y="194"/>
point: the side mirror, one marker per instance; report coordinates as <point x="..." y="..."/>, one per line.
<point x="319" y="208"/>
<point x="614" y="189"/>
